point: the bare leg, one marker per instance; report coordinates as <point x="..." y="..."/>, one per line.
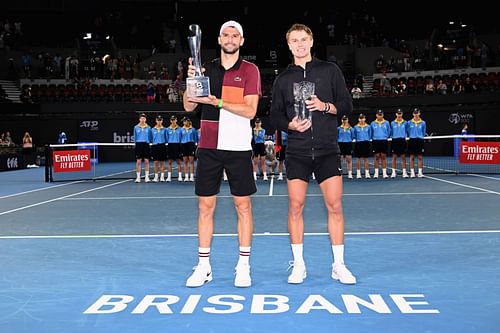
<point x="297" y="189"/>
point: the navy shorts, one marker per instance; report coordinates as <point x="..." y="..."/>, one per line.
<point x="380" y="146"/>
<point x="302" y="167"/>
<point x="142" y="151"/>
<point x="345" y="148"/>
<point x="174" y="151"/>
<point x="159" y="152"/>
<point x="416" y="146"/>
<point x="259" y="149"/>
<point x="210" y="168"/>
<point x="398" y="146"/>
<point x="188" y="149"/>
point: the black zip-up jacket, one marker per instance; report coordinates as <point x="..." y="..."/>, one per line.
<point x="321" y="138"/>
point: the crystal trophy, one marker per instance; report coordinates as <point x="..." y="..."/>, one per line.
<point x="302" y="91"/>
<point x="199" y="85"/>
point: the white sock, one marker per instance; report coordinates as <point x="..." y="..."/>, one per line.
<point x="420" y="171"/>
<point x="244" y="258"/>
<point x="404" y="171"/>
<point x="138" y="174"/>
<point x="204" y="255"/>
<point x="338" y="254"/>
<point x="297" y="250"/>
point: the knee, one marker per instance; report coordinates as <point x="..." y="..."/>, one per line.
<point x="295" y="208"/>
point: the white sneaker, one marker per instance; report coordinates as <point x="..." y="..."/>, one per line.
<point x="186" y="178"/>
<point x="384" y="174"/>
<point x="420" y="175"/>
<point x="412" y="173"/>
<point x="138" y="180"/>
<point x="367" y="175"/>
<point x="201" y="275"/>
<point x="179" y="178"/>
<point x="405" y="175"/>
<point x="349" y="175"/>
<point x="280" y="177"/>
<point x="162" y="178"/>
<point x="265" y="178"/>
<point x="155" y="179"/>
<point x="146" y="179"/>
<point x="358" y="175"/>
<point x="393" y="174"/>
<point x="169" y="179"/>
<point x="191" y="178"/>
<point x="342" y="274"/>
<point x="375" y="175"/>
<point x="298" y="273"/>
<point x="242" y="277"/>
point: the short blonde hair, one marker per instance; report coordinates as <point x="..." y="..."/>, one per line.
<point x="299" y="27"/>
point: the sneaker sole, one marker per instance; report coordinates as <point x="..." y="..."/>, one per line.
<point x="207" y="280"/>
<point x="335" y="277"/>
<point x="243" y="285"/>
<point x="298" y="282"/>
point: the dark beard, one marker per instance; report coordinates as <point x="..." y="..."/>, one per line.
<point x="230" y="52"/>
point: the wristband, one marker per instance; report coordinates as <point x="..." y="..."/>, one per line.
<point x="221" y="102"/>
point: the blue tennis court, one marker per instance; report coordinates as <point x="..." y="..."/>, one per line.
<point x="113" y="256"/>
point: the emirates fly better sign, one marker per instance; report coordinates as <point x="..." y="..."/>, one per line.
<point x="71" y="160"/>
<point x="480" y="152"/>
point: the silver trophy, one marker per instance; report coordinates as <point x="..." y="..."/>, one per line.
<point x="302" y="91"/>
<point x="199" y="85"/>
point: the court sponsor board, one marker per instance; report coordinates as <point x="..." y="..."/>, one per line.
<point x="480" y="152"/>
<point x="71" y="160"/>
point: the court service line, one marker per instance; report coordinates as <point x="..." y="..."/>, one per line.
<point x="463" y="185"/>
<point x="276" y="195"/>
<point x="40" y="189"/>
<point x="271" y="186"/>
<point x="63" y="197"/>
<point x="264" y="234"/>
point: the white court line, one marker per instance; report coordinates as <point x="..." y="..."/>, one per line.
<point x="482" y="176"/>
<point x="271" y="186"/>
<point x="265" y="234"/>
<point x="463" y="185"/>
<point x="276" y="195"/>
<point x="63" y="197"/>
<point x="40" y="189"/>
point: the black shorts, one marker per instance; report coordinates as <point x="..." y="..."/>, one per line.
<point x="188" y="148"/>
<point x="173" y="151"/>
<point x="259" y="149"/>
<point x="324" y="167"/>
<point x="362" y="149"/>
<point x="142" y="151"/>
<point x="281" y="155"/>
<point x="416" y="146"/>
<point x="210" y="168"/>
<point x="398" y="146"/>
<point x="159" y="152"/>
<point x="380" y="146"/>
<point x="345" y="148"/>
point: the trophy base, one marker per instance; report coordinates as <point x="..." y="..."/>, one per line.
<point x="198" y="86"/>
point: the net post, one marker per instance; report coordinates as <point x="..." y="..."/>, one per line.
<point x="48" y="164"/>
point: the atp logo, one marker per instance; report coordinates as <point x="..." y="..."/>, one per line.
<point x="93" y="125"/>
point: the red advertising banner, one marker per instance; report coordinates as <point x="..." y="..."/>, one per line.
<point x="480" y="152"/>
<point x="71" y="160"/>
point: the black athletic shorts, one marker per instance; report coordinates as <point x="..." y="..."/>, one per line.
<point x="345" y="148"/>
<point x="173" y="151"/>
<point x="259" y="149"/>
<point x="380" y="146"/>
<point x="159" y="152"/>
<point x="142" y="151"/>
<point x="398" y="146"/>
<point x="324" y="167"/>
<point x="416" y="146"/>
<point x="188" y="149"/>
<point x="210" y="168"/>
<point x="362" y="149"/>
